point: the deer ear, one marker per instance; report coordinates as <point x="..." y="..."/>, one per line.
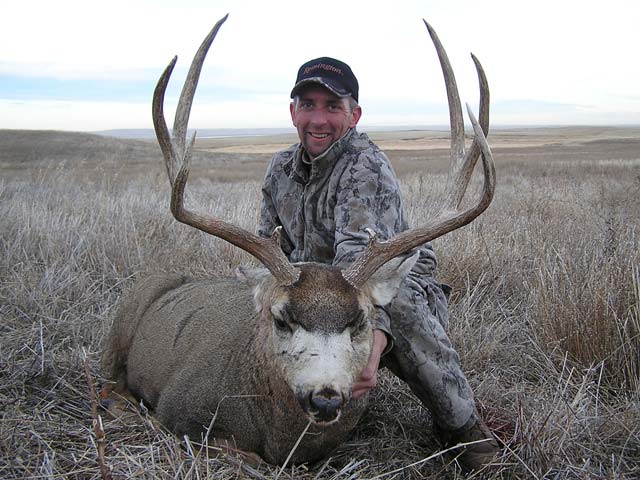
<point x="383" y="285"/>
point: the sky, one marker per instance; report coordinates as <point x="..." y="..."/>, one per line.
<point x="90" y="66"/>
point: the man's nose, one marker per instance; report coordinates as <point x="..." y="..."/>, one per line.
<point x="319" y="116"/>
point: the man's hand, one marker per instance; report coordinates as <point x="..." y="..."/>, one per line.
<point x="368" y="376"/>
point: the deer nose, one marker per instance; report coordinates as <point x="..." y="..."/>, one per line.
<point x="325" y="405"/>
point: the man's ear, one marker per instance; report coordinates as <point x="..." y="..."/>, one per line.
<point x="292" y="111"/>
<point x="356" y="114"/>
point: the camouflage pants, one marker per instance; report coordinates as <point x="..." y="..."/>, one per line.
<point x="423" y="356"/>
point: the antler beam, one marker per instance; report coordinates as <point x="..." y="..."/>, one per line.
<point x="177" y="155"/>
<point x="377" y="253"/>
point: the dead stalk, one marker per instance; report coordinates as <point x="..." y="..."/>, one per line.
<point x="98" y="429"/>
<point x="430" y="457"/>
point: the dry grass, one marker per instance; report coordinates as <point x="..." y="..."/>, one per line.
<point x="545" y="312"/>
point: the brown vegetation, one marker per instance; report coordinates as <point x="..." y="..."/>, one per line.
<point x="545" y="312"/>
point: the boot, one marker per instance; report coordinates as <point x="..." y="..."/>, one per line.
<point x="478" y="455"/>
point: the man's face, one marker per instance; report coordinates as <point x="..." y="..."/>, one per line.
<point x="322" y="118"/>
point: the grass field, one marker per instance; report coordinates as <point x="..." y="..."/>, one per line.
<point x="545" y="309"/>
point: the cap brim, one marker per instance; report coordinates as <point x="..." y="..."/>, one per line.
<point x="319" y="81"/>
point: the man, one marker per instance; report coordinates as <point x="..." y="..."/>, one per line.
<point x="324" y="192"/>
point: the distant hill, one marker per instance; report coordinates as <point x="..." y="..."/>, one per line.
<point x="147" y="133"/>
<point x="23" y="152"/>
<point x="34" y="147"/>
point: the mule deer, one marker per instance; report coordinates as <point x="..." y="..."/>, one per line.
<point x="255" y="361"/>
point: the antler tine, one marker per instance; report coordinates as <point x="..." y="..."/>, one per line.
<point x="266" y="250"/>
<point x="456" y="120"/>
<point x="189" y="89"/>
<point x="470" y="159"/>
<point x="461" y="165"/>
<point x="159" y="123"/>
<point x="378" y="253"/>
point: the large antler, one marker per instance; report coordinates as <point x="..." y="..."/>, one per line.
<point x="177" y="155"/>
<point x="448" y="219"/>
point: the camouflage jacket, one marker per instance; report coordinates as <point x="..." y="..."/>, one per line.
<point x="325" y="205"/>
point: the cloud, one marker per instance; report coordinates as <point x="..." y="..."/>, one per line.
<point x="111" y="55"/>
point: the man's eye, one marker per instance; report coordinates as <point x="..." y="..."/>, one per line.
<point x="333" y="108"/>
<point x="306" y="105"/>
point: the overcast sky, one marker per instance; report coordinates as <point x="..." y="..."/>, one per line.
<point x="89" y="65"/>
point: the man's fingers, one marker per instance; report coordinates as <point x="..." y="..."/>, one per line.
<point x="362" y="387"/>
<point x="368" y="373"/>
<point x="368" y="376"/>
<point x="358" y="393"/>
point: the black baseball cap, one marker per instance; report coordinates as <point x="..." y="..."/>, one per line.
<point x="330" y="73"/>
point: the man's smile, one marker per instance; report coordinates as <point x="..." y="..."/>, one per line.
<point x="319" y="135"/>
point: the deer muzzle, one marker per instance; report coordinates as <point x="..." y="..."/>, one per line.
<point x="324" y="406"/>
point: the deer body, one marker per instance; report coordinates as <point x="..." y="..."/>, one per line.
<point x="201" y="355"/>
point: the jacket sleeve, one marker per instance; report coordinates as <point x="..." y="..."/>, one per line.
<point x="268" y="220"/>
<point x="368" y="196"/>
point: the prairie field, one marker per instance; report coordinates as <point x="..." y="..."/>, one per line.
<point x="545" y="311"/>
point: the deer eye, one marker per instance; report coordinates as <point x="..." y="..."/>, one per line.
<point x="281" y="320"/>
<point x="281" y="324"/>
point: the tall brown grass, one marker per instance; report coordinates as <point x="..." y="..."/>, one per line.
<point x="545" y="315"/>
